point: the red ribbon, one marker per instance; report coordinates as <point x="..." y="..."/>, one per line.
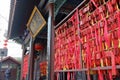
<point x="94" y="2"/>
<point x="106" y="35"/>
<point x="68" y="76"/>
<point x="113" y="63"/>
<point x="118" y="23"/>
<point x="96" y="37"/>
<point x="78" y="42"/>
<point x="109" y="6"/>
<point x="110" y="75"/>
<point x="88" y="55"/>
<point x="71" y="43"/>
<point x="100" y="74"/>
<point x="75" y="22"/>
<point x="113" y="1"/>
<point x="60" y="50"/>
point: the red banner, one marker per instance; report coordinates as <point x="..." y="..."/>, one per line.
<point x="25" y="66"/>
<point x="43" y="68"/>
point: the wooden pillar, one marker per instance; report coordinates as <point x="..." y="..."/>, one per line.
<point x="35" y="69"/>
<point x="50" y="42"/>
<point x="31" y="61"/>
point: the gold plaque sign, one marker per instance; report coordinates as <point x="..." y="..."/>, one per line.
<point x="36" y="22"/>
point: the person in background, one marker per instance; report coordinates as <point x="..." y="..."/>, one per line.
<point x="7" y="74"/>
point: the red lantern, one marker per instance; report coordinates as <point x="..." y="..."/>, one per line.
<point x="5" y="43"/>
<point x="38" y="46"/>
